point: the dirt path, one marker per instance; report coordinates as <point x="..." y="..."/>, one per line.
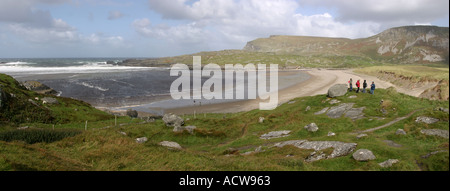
<point x="391" y="122"/>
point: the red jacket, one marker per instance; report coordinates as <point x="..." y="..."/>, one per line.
<point x="357" y="84"/>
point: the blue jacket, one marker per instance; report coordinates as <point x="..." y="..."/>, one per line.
<point x="372" y="87"/>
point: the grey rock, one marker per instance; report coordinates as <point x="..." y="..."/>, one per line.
<point x="436" y="132"/>
<point x="334" y="101"/>
<point x="427" y="120"/>
<point x="261" y="119"/>
<point x="388" y="163"/>
<point x="363" y="155"/>
<point x="433" y="153"/>
<point x="39" y="87"/>
<point x="190" y="129"/>
<point x="324" y="110"/>
<point x="141" y="140"/>
<point x="355" y="113"/>
<point x="340" y="148"/>
<point x="361" y="136"/>
<point x="23" y="128"/>
<point x="123" y="133"/>
<point x="180" y="129"/>
<point x="291" y="102"/>
<point x="392" y="143"/>
<point x="312" y="127"/>
<point x="170" y="144"/>
<point x="337" y="90"/>
<point x="172" y="120"/>
<point x="308" y="108"/>
<point x="49" y="100"/>
<point x="33" y="102"/>
<point x="444" y="109"/>
<point x="331" y="134"/>
<point x="315" y="156"/>
<point x="338" y="111"/>
<point x="400" y="132"/>
<point x="352" y="97"/>
<point x="275" y="134"/>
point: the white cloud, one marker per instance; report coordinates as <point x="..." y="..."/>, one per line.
<point x="225" y="24"/>
<point x="113" y="15"/>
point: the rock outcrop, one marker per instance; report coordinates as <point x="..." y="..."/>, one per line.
<point x="275" y="134"/>
<point x="435" y="132"/>
<point x="427" y="120"/>
<point x="340" y="148"/>
<point x="388" y="163"/>
<point x="39" y="87"/>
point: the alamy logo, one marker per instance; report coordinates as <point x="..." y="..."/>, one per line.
<point x="217" y="87"/>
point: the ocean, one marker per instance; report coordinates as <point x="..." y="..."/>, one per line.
<point x="110" y="86"/>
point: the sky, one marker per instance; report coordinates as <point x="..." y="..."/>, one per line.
<point x="157" y="28"/>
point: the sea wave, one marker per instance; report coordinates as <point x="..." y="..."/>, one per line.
<point x="92" y="86"/>
<point x="87" y="68"/>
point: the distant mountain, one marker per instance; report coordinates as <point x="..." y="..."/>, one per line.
<point x="405" y="45"/>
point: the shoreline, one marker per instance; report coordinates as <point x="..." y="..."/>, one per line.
<point x="319" y="82"/>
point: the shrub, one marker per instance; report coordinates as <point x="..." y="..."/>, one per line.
<point x="32" y="136"/>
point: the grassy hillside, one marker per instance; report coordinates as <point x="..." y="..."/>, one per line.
<point x="101" y="148"/>
<point x="21" y="106"/>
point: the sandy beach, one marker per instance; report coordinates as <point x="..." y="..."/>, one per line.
<point x="319" y="83"/>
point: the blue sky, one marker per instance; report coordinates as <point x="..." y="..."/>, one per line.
<point x="155" y="28"/>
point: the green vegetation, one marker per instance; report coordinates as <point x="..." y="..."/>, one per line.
<point x="32" y="136"/>
<point x="415" y="73"/>
<point x="101" y="148"/>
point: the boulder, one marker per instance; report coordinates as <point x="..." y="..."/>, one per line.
<point x="363" y="155"/>
<point x="352" y="97"/>
<point x="400" y="132"/>
<point x="170" y="144"/>
<point x="436" y="132"/>
<point x="308" y="108"/>
<point x="337" y="90"/>
<point x="180" y="129"/>
<point x="275" y="134"/>
<point x="172" y="120"/>
<point x="331" y="134"/>
<point x="427" y="120"/>
<point x="261" y="119"/>
<point x="312" y="127"/>
<point x="444" y="109"/>
<point x="49" y="100"/>
<point x="141" y="140"/>
<point x="388" y="163"/>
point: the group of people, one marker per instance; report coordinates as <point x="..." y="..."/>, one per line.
<point x="358" y="85"/>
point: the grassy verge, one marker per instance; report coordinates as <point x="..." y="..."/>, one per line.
<point x="107" y="149"/>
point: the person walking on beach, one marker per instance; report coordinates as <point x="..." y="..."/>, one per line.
<point x="350" y="84"/>
<point x="372" y="88"/>
<point x="364" y="86"/>
<point x="358" y="85"/>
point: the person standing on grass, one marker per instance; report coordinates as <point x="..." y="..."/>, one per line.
<point x="358" y="85"/>
<point x="350" y="84"/>
<point x="364" y="86"/>
<point x="372" y="88"/>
